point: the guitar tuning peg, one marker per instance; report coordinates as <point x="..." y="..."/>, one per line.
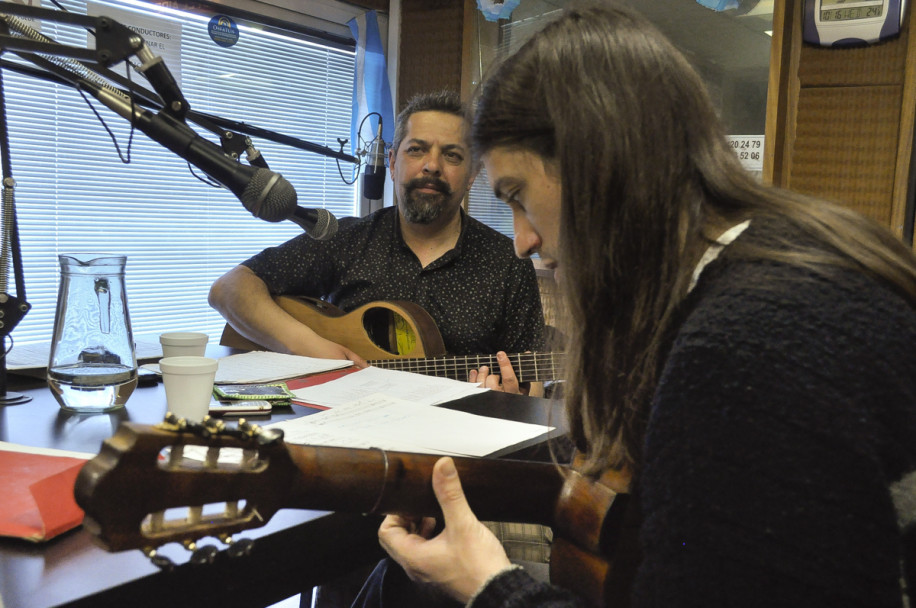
<point x="190" y="545"/>
<point x="270" y="437"/>
<point x="238" y="548"/>
<point x="241" y="548"/>
<point x="204" y="555"/>
<point x="174" y="423"/>
<point x="171" y="422"/>
<point x="215" y="425"/>
<point x="160" y="561"/>
<point x="205" y="428"/>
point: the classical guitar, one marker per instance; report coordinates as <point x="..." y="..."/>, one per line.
<point x="249" y="474"/>
<point x="369" y="332"/>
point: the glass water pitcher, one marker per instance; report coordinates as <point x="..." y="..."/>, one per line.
<point x="93" y="364"/>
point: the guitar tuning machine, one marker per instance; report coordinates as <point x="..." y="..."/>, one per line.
<point x="204" y="555"/>
<point x="262" y="436"/>
<point x="236" y="548"/>
<point x="208" y="426"/>
<point x="160" y="561"/>
<point x="200" y="555"/>
<point x="212" y="426"/>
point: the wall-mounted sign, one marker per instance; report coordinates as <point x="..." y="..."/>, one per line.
<point x="223" y="30"/>
<point x="749" y="149"/>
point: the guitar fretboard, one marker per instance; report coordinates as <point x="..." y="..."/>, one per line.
<point x="529" y="367"/>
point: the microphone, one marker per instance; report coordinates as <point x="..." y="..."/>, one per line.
<point x="318" y="223"/>
<point x="374" y="173"/>
<point x="266" y="194"/>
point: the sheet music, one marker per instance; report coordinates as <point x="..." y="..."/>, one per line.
<point x="408" y="386"/>
<point x="382" y="421"/>
<point x="261" y="366"/>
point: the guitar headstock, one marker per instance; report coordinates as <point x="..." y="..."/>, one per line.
<point x="179" y="482"/>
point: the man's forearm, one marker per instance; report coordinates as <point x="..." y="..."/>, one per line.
<point x="244" y="300"/>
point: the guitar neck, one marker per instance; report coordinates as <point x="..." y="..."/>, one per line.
<point x="127" y="490"/>
<point x="529" y="367"/>
<point x="144" y="490"/>
<point x="375" y="481"/>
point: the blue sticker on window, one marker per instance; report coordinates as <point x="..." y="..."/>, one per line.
<point x="223" y="30"/>
<point x="719" y="5"/>
<point x="494" y="9"/>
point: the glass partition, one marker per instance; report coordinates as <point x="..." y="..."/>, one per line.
<point x="730" y="49"/>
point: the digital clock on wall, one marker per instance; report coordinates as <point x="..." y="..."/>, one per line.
<point x="852" y="22"/>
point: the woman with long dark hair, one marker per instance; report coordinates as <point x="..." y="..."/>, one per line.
<point x="744" y="351"/>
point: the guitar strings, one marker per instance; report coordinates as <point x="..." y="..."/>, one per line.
<point x="528" y="366"/>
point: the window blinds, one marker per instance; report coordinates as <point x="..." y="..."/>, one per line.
<point x="73" y="193"/>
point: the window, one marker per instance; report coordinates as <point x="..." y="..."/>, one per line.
<point x="730" y="50"/>
<point x="73" y="193"/>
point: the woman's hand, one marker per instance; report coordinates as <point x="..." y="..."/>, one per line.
<point x="461" y="558"/>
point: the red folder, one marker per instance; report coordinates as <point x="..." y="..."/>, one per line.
<point x="36" y="501"/>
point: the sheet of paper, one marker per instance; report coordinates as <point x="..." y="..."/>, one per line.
<point x="382" y="421"/>
<point x="24" y="357"/>
<point x="262" y="366"/>
<point x="415" y="388"/>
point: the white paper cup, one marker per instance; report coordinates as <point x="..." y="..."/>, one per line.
<point x="183" y="343"/>
<point x="188" y="385"/>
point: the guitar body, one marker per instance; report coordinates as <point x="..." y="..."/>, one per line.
<point x="368" y="330"/>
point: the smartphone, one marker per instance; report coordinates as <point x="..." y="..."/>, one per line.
<point x="248" y="407"/>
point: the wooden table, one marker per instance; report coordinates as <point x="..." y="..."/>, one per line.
<point x="295" y="551"/>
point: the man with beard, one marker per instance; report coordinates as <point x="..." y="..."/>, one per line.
<point x="425" y="250"/>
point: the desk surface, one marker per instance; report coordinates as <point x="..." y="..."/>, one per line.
<point x="296" y="550"/>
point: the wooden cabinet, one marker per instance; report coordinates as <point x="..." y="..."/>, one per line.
<point x="840" y="121"/>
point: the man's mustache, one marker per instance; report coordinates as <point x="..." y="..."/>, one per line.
<point x="435" y="184"/>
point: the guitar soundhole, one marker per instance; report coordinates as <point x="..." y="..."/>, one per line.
<point x="389" y="331"/>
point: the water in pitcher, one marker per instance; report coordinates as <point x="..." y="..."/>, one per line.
<point x="92" y="387"/>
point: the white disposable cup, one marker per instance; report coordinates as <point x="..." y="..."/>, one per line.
<point x="182" y="343"/>
<point x="188" y="385"/>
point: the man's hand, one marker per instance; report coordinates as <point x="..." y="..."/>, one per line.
<point x="505" y="380"/>
<point x="461" y="558"/>
<point x="325" y="349"/>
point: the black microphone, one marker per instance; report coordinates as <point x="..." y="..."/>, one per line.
<point x="318" y="223"/>
<point x="266" y="194"/>
<point x="374" y="173"/>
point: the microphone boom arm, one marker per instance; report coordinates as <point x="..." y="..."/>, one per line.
<point x="116" y="42"/>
